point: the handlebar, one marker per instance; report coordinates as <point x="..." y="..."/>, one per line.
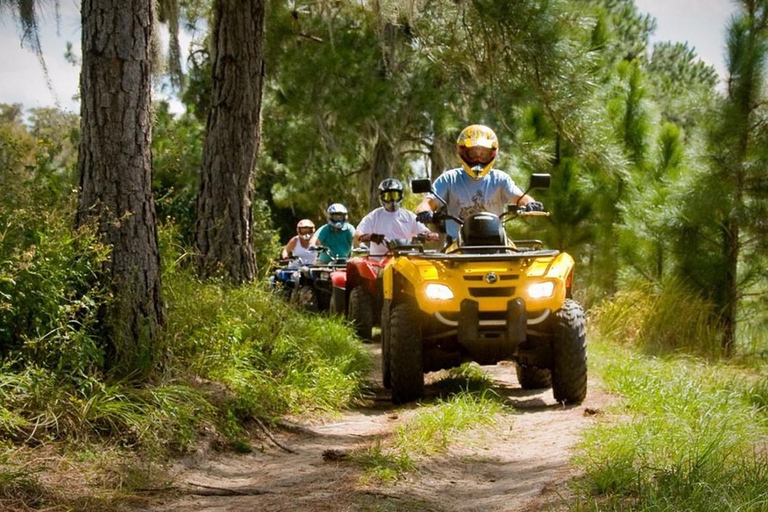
<point x="441" y="215"/>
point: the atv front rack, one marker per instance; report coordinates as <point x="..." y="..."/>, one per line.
<point x="509" y="254"/>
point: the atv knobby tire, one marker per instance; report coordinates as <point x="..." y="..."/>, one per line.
<point x="533" y="377"/>
<point x="306" y="298"/>
<point x="569" y="354"/>
<point x="361" y="312"/>
<point x="406" y="368"/>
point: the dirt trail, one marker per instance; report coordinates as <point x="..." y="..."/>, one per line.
<point x="521" y="464"/>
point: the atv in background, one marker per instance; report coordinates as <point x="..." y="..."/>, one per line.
<point x="282" y="282"/>
<point x="320" y="287"/>
<point x="484" y="298"/>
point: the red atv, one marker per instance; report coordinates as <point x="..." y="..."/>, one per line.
<point x="364" y="295"/>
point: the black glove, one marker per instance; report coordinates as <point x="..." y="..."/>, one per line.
<point x="377" y="239"/>
<point x="424" y="217"/>
<point x="534" y="206"/>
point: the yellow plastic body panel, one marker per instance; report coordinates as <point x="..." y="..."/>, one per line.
<point x="469" y="279"/>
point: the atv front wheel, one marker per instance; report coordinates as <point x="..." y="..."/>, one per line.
<point x="306" y="297"/>
<point x="406" y="368"/>
<point x="569" y="354"/>
<point x="533" y="377"/>
<point x="361" y="312"/>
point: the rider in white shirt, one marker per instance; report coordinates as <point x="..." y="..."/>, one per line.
<point x="298" y="246"/>
<point x="389" y="221"/>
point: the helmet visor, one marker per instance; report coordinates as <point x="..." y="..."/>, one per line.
<point x="478" y="155"/>
<point x="391" y="195"/>
<point x="338" y="217"/>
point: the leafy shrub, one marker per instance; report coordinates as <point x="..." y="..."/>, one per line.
<point x="49" y="289"/>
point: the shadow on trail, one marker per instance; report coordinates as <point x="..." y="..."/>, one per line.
<point x="500" y="380"/>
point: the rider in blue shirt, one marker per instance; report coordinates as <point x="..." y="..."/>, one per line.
<point x="475" y="186"/>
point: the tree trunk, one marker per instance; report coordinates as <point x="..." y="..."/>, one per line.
<point x="383" y="157"/>
<point x="731" y="295"/>
<point x="223" y="231"/>
<point x="115" y="166"/>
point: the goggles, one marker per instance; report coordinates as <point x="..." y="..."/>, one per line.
<point x="391" y="195"/>
<point x="306" y="231"/>
<point x="338" y="217"/>
<point x="479" y="154"/>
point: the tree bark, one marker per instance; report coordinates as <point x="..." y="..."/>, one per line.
<point x="223" y="231"/>
<point x="115" y="167"/>
<point x="383" y="158"/>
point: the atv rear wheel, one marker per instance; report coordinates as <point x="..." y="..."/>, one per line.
<point x="361" y="312"/>
<point x="533" y="377"/>
<point x="406" y="367"/>
<point x="569" y="354"/>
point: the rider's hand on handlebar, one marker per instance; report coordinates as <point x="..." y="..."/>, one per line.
<point x="424" y="217"/>
<point x="376" y="238"/>
<point x="534" y="206"/>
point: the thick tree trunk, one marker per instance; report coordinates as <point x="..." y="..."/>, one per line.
<point x="223" y="236"/>
<point x="115" y="165"/>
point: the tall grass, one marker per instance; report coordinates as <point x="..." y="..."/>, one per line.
<point x="692" y="436"/>
<point x="659" y="319"/>
<point x="272" y="358"/>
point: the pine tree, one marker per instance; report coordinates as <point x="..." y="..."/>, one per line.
<point x="722" y="230"/>
<point x="115" y="172"/>
<point x="223" y="231"/>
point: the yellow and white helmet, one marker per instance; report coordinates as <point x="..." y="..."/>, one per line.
<point x="478" y="147"/>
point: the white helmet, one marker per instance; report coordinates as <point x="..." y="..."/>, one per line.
<point x="337" y="215"/>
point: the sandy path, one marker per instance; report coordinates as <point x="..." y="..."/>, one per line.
<point x="521" y="464"/>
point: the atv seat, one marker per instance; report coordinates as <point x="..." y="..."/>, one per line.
<point x="482" y="229"/>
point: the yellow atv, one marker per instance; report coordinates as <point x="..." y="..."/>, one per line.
<point x="483" y="298"/>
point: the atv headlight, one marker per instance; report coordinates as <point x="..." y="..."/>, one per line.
<point x="435" y="291"/>
<point x="541" y="290"/>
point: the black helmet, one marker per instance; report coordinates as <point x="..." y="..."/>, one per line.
<point x="391" y="194"/>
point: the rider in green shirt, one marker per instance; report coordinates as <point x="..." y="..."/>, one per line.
<point x="336" y="235"/>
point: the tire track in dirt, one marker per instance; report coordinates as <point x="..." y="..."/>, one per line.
<point x="520" y="464"/>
